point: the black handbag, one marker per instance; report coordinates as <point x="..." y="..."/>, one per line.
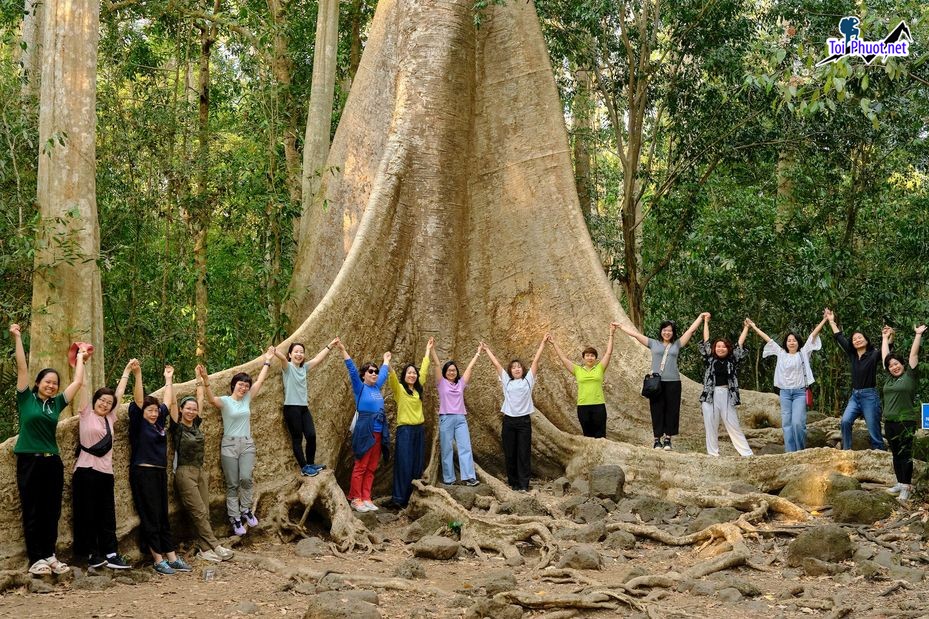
<point x="651" y="384"/>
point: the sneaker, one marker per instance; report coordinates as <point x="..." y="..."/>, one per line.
<point x="95" y="561"/>
<point x="58" y="567"/>
<point x="309" y="470"/>
<point x="224" y="553"/>
<point x="657" y="444"/>
<point x="237" y="527"/>
<point x="116" y="562"/>
<point x="179" y="565"/>
<point x="318" y="467"/>
<point x="249" y="519"/>
<point x="904" y="494"/>
<point x="162" y="567"/>
<point x="40" y="568"/>
<point x="209" y="555"/>
<point x="667" y="443"/>
<point x="371" y="506"/>
<point x="895" y="489"/>
<point x="471" y="482"/>
<point x="359" y="506"/>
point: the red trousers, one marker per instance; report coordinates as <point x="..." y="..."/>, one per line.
<point x="363" y="473"/>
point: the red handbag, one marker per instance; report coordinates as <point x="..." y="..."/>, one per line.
<point x="809" y="397"/>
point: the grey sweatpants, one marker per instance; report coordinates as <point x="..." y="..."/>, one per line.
<point x="237" y="455"/>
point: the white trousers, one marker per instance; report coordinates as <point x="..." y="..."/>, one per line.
<point x="720" y="408"/>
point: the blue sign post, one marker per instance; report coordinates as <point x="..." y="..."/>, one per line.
<point x="925" y="416"/>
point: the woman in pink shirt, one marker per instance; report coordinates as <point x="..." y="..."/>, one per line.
<point x="93" y="503"/>
<point x="453" y="422"/>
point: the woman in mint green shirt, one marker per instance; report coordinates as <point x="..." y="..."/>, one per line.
<point x="591" y="403"/>
<point x="39" y="470"/>
<point x="900" y="408"/>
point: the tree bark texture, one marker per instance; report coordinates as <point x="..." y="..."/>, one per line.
<point x="67" y="302"/>
<point x="454" y="213"/>
<point x="31" y="50"/>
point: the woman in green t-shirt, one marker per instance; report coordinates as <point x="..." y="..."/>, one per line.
<point x="900" y="410"/>
<point x="591" y="403"/>
<point x="39" y="471"/>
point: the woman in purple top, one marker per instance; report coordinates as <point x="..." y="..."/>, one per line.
<point x="453" y="422"/>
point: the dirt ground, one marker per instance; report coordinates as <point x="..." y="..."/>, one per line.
<point x="870" y="585"/>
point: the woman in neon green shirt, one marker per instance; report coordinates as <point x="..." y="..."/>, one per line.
<point x="410" y="444"/>
<point x="591" y="403"/>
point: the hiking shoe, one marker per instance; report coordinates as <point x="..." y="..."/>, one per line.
<point x="238" y="528"/>
<point x="162" y="567"/>
<point x="95" y="561"/>
<point x="318" y="467"/>
<point x="667" y="443"/>
<point x="904" y="494"/>
<point x="224" y="553"/>
<point x="359" y="506"/>
<point x="471" y="482"/>
<point x="895" y="489"/>
<point x="179" y="565"/>
<point x="309" y="470"/>
<point x="657" y="444"/>
<point x="371" y="506"/>
<point x="40" y="568"/>
<point x="116" y="562"/>
<point x="249" y="518"/>
<point x="209" y="555"/>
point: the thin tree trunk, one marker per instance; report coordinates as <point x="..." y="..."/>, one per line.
<point x="67" y="302"/>
<point x="785" y="161"/>
<point x="319" y="114"/>
<point x="354" y="46"/>
<point x="583" y="114"/>
<point x="282" y="69"/>
<point x="31" y="50"/>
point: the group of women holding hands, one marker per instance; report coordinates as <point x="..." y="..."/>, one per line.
<point x="152" y="423"/>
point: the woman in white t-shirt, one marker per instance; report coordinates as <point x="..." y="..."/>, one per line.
<point x="792" y="375"/>
<point x="517" y="407"/>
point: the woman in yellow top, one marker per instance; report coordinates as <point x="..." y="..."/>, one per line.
<point x="410" y="445"/>
<point x="591" y="403"/>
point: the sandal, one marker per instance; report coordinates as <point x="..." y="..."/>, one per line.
<point x="58" y="567"/>
<point x="40" y="568"/>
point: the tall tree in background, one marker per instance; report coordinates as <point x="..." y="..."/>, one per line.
<point x="66" y="298"/>
<point x="31" y="54"/>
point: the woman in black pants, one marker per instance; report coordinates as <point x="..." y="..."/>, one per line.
<point x="665" y="407"/>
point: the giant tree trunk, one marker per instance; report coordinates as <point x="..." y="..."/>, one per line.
<point x="66" y="298"/>
<point x="453" y="213"/>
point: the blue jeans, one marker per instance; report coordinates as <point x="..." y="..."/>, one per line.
<point x="866" y="403"/>
<point x="793" y="418"/>
<point x="409" y="455"/>
<point x="455" y="428"/>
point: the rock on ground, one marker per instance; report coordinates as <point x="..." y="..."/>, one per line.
<point x="410" y="569"/>
<point x="816" y="488"/>
<point x="435" y="547"/>
<point x="862" y="507"/>
<point x="713" y="515"/>
<point x="828" y="543"/>
<point x="581" y="557"/>
<point x="311" y="547"/>
<point x="340" y="605"/>
<point x="606" y="481"/>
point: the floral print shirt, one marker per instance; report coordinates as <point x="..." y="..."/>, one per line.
<point x="732" y="369"/>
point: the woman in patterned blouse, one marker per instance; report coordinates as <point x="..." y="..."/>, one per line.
<point x="721" y="389"/>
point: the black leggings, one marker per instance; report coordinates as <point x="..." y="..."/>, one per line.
<point x="300" y="425"/>
<point x="94" y="512"/>
<point x="593" y="419"/>
<point x="41" y="480"/>
<point x="666" y="409"/>
<point x="900" y="436"/>
<point x="149" y="486"/>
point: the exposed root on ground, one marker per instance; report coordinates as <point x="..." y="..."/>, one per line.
<point x="294" y="499"/>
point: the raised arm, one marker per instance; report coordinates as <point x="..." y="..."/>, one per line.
<point x="761" y="334"/>
<point x="169" y="389"/>
<point x="706" y="326"/>
<point x="466" y="377"/>
<point x="815" y="332"/>
<point x="205" y="379"/>
<point x="745" y="325"/>
<point x="829" y="315"/>
<point x="631" y="332"/>
<point x="384" y="371"/>
<point x="887" y="337"/>
<point x="493" y="359"/>
<point x="564" y="360"/>
<point x="123" y="383"/>
<point x="609" y="347"/>
<point x="436" y="361"/>
<point x="534" y="368"/>
<point x="138" y="389"/>
<point x="914" y="349"/>
<point x="322" y="354"/>
<point x="22" y="368"/>
<point x="280" y="355"/>
<point x="689" y="333"/>
<point x="72" y="389"/>
<point x="424" y="366"/>
<point x="263" y="374"/>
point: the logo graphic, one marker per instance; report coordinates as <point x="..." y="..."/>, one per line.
<point x="894" y="45"/>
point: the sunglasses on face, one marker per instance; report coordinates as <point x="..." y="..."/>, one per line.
<point x="372" y="371"/>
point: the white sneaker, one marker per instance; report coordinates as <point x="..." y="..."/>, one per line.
<point x="359" y="506"/>
<point x="371" y="506"/>
<point x="896" y="488"/>
<point x="223" y="553"/>
<point x="209" y="555"/>
<point x="904" y="494"/>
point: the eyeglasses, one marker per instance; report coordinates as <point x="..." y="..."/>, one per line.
<point x="372" y="371"/>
